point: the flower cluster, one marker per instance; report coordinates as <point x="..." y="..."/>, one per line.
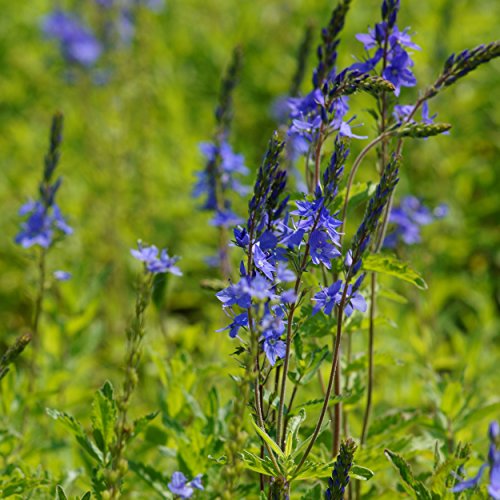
<point x="373" y="214"/>
<point x="340" y="475"/>
<point x="41" y="225"/>
<point x="44" y="218"/>
<point x="79" y="43"/>
<point x="331" y="296"/>
<point x="156" y="262"/>
<point x="408" y="218"/>
<point x="275" y="237"/>
<point x="493" y="463"/>
<point x="390" y="49"/>
<point x="180" y="486"/>
<point x="221" y="166"/>
<point x="219" y="177"/>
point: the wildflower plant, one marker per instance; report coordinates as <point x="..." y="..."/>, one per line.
<point x="44" y="225"/>
<point x="111" y="429"/>
<point x="289" y="414"/>
<point x="298" y="250"/>
<point x="223" y="166"/>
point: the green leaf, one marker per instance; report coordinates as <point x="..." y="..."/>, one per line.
<point x="87" y="496"/>
<point x="292" y="430"/>
<point x="313" y="470"/>
<point x="104" y="417"/>
<point x="269" y="440"/>
<point x="154" y="478"/>
<point x="415" y="486"/>
<point x="389" y="294"/>
<point x="160" y="282"/>
<point x="452" y="400"/>
<point x="477" y="415"/>
<point x="314" y="492"/>
<point x="261" y="465"/>
<point x="314" y="361"/>
<point x="77" y="430"/>
<point x="361" y="473"/>
<point x="302" y="445"/>
<point x="60" y="495"/>
<point x="389" y="264"/>
<point x="141" y="423"/>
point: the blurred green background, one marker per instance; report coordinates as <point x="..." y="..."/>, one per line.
<point x="129" y="156"/>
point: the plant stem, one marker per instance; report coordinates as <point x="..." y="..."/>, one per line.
<point x="371" y="336"/>
<point x="352" y="174"/>
<point x="135" y="334"/>
<point x="37" y="313"/>
<point x="330" y="380"/>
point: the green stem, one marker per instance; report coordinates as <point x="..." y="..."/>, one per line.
<point x="329" y="388"/>
<point x="371" y="336"/>
<point x="37" y="314"/>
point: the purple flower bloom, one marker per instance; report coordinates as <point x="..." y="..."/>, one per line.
<point x="236" y="294"/>
<point x="239" y="321"/>
<point x="354" y="301"/>
<point x="320" y="250"/>
<point x="327" y="298"/>
<point x="155" y="264"/>
<point x="262" y="263"/>
<point x="387" y="39"/>
<point x="196" y="481"/>
<point x="76" y="41"/>
<point x="273" y="347"/>
<point x="41" y="224"/>
<point x="179" y="485"/>
<point x="494" y="464"/>
<point x="62" y="275"/>
<point x="222" y="164"/>
<point x="408" y="217"/>
<point x="283" y="274"/>
<point x="225" y="218"/>
<point x="241" y="237"/>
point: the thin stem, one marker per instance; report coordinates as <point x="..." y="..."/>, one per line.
<point x="352" y="174"/>
<point x="337" y="408"/>
<point x="371" y="337"/>
<point x="330" y="381"/>
<point x="317" y="156"/>
<point x="330" y="409"/>
<point x="37" y="313"/>
<point x="280" y="431"/>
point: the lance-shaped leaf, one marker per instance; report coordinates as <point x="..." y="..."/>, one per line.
<point x="104" y="417"/>
<point x="388" y="264"/>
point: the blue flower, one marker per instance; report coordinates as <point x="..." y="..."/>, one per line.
<point x="156" y="264"/>
<point x="41" y="224"/>
<point x="493" y="463"/>
<point x="236" y="294"/>
<point x="272" y="329"/>
<point x="225" y="218"/>
<point x="239" y="321"/>
<point x="62" y="275"/>
<point x="321" y="251"/>
<point x="180" y="486"/>
<point x="354" y="301"/>
<point x="222" y="165"/>
<point x="76" y="41"/>
<point x="327" y="298"/>
<point x="397" y="59"/>
<point x="407" y="218"/>
<point x="241" y="237"/>
<point x="262" y="263"/>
